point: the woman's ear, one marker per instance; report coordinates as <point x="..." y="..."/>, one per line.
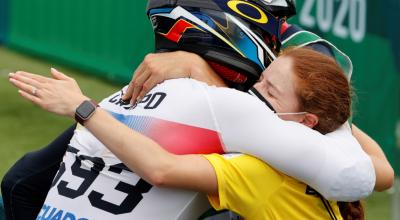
<point x="309" y="120"/>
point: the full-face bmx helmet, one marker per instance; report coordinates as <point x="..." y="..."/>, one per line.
<point x="238" y="38"/>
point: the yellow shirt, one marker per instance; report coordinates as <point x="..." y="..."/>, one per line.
<point x="254" y="190"/>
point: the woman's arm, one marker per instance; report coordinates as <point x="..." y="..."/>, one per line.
<point x="141" y="154"/>
<point x="146" y="158"/>
<point x="383" y="169"/>
<point x="333" y="164"/>
<point x="159" y="67"/>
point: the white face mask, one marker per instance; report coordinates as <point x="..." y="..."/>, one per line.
<point x="290" y="113"/>
<point x="254" y="92"/>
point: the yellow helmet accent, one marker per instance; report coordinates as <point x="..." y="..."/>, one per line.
<point x="234" y="6"/>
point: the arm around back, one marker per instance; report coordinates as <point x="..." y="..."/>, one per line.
<point x="383" y="169"/>
<point x="333" y="164"/>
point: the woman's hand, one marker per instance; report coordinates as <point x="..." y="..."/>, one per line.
<point x="60" y="95"/>
<point x="159" y="67"/>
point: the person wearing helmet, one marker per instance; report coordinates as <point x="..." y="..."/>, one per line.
<point x="238" y="43"/>
<point x="259" y="60"/>
<point x="229" y="62"/>
<point x="245" y="185"/>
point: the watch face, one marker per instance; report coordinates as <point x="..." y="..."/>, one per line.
<point x="85" y="109"/>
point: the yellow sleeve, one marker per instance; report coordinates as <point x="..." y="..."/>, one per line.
<point x="244" y="183"/>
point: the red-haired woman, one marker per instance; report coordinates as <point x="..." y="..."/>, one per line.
<point x="301" y="86"/>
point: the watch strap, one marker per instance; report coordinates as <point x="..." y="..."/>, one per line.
<point x="80" y="118"/>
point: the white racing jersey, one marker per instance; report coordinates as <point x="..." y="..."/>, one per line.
<point x="188" y="117"/>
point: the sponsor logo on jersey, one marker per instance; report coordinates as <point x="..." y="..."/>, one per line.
<point x="150" y="101"/>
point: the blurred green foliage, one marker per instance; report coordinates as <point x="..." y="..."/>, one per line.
<point x="24" y="127"/>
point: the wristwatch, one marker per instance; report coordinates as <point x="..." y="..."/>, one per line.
<point x="85" y="111"/>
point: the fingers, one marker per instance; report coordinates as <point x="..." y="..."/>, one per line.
<point x="24" y="83"/>
<point x="131" y="87"/>
<point x="154" y="69"/>
<point x="138" y="85"/>
<point x="38" y="78"/>
<point x="58" y="75"/>
<point x="128" y="93"/>
<point x="24" y="87"/>
<point x="35" y="100"/>
<point x="147" y="86"/>
<point x="54" y="72"/>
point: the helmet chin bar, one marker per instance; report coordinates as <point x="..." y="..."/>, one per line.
<point x="232" y="78"/>
<point x="239" y="73"/>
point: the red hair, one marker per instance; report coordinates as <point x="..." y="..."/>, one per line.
<point x="321" y="87"/>
<point x="324" y="90"/>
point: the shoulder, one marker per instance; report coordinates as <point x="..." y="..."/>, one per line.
<point x="192" y="87"/>
<point x="233" y="102"/>
<point x="245" y="170"/>
<point x="244" y="183"/>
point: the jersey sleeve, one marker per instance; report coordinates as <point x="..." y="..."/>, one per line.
<point x="333" y="164"/>
<point x="244" y="183"/>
